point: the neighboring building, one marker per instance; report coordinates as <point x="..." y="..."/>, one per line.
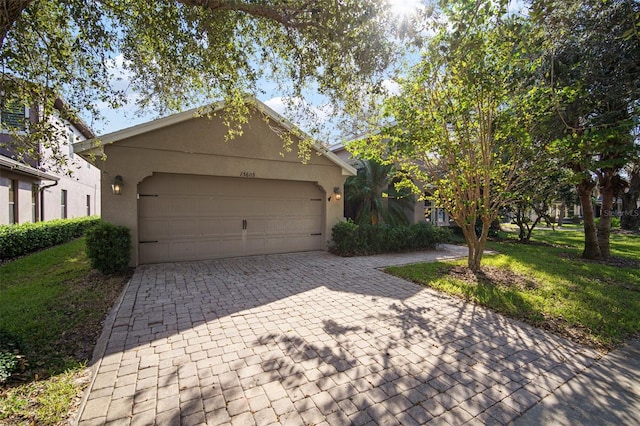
<point x="188" y="194"/>
<point x="31" y="191"/>
<point x="423" y="209"/>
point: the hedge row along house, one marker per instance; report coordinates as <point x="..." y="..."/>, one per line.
<point x="33" y="190"/>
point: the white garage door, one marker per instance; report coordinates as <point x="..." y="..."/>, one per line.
<point x="186" y="217"/>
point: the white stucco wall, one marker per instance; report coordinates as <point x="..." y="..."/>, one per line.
<point x="82" y="181"/>
<point x="24" y="184"/>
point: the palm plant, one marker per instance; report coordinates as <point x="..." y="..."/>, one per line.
<point x="371" y="197"/>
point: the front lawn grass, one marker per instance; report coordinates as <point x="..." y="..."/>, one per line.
<point x="51" y="310"/>
<point x="547" y="284"/>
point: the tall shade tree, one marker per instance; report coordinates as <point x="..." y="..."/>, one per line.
<point x="177" y="53"/>
<point x="593" y="69"/>
<point x="460" y="123"/>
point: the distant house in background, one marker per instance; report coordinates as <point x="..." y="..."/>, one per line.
<point x="31" y="191"/>
<point x="423" y="210"/>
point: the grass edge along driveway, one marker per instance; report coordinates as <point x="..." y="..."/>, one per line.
<point x="52" y="307"/>
<point x="547" y="284"/>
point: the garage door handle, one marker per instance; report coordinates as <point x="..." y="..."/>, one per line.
<point x="244" y="224"/>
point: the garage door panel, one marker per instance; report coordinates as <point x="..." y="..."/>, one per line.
<point x="154" y="251"/>
<point x="254" y="207"/>
<point x="293" y="243"/>
<point x="300" y="207"/>
<point x="275" y="207"/>
<point x="226" y="206"/>
<point x="304" y="225"/>
<point x="152" y="207"/>
<point x="220" y="227"/>
<point x="154" y="228"/>
<point x="202" y="217"/>
<point x="184" y="227"/>
<point x="254" y="245"/>
<point x="294" y="226"/>
<point x="256" y="225"/>
<point x="275" y="226"/>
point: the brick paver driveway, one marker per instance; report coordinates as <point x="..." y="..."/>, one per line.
<point x="315" y="339"/>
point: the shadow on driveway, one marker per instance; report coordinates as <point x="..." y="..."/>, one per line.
<point x="310" y="338"/>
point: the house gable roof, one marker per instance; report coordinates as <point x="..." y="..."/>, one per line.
<point x="77" y="122"/>
<point x="90" y="147"/>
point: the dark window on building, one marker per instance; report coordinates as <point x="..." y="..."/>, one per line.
<point x="34" y="203"/>
<point x="63" y="204"/>
<point x="12" y="117"/>
<point x="13" y="201"/>
<point x="88" y="205"/>
<point x="42" y="206"/>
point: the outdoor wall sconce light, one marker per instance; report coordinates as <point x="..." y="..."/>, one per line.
<point x="117" y="185"/>
<point x="337" y="194"/>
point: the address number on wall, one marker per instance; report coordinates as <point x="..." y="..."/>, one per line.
<point x="247" y="174"/>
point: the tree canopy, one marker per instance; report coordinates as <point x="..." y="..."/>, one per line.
<point x="182" y="53"/>
<point x="459" y="127"/>
<point x="593" y="71"/>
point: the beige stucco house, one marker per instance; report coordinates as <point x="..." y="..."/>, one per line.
<point x="187" y="194"/>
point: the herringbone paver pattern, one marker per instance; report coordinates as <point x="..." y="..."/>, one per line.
<point x="311" y="338"/>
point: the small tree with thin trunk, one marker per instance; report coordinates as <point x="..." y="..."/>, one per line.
<point x="542" y="183"/>
<point x="460" y="123"/>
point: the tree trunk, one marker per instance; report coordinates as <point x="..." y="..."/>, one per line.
<point x="520" y="221"/>
<point x="469" y="232"/>
<point x="533" y="225"/>
<point x="606" y="212"/>
<point x="474" y="258"/>
<point x="591" y="248"/>
<point x="630" y="217"/>
<point x="563" y="207"/>
<point x="475" y="244"/>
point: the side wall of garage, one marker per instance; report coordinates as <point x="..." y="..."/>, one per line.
<point x="198" y="147"/>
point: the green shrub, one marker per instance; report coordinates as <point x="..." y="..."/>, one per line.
<point x="344" y="236"/>
<point x="427" y="235"/>
<point x="18" y="240"/>
<point x="9" y="358"/>
<point x="8" y="364"/>
<point x="349" y="239"/>
<point x="109" y="247"/>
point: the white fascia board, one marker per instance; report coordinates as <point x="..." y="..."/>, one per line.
<point x="23" y="168"/>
